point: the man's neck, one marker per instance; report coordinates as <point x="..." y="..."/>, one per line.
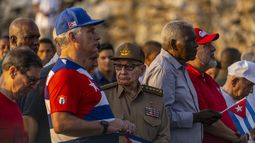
<point x="107" y="74"/>
<point x="5" y="90"/>
<point x="131" y="90"/>
<point x="197" y="65"/>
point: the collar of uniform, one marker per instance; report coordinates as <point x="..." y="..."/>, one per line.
<point x="171" y="59"/>
<point x="121" y="91"/>
<point x="194" y="71"/>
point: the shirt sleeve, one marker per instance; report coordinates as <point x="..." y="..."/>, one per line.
<point x="64" y="92"/>
<point x="162" y="78"/>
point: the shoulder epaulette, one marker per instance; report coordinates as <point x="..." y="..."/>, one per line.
<point x="152" y="90"/>
<point x="110" y="85"/>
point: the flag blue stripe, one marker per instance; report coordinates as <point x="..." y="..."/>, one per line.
<point x="136" y="138"/>
<point x="100" y="113"/>
<point x="109" y="138"/>
<point x="248" y="125"/>
<point x="249" y="108"/>
<point x="238" y="125"/>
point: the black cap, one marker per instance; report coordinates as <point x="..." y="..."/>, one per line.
<point x="129" y="51"/>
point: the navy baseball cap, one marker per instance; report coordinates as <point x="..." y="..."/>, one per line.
<point x="71" y="18"/>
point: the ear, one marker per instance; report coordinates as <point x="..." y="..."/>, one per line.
<point x="13" y="40"/>
<point x="143" y="68"/>
<point x="235" y="81"/>
<point x="173" y="43"/>
<point x="72" y="37"/>
<point x="13" y="71"/>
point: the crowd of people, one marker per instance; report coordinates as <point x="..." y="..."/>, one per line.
<point x="67" y="87"/>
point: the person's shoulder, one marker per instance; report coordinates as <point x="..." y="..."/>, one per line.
<point x="152" y="90"/>
<point x="109" y="86"/>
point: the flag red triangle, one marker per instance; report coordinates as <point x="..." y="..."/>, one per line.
<point x="239" y="108"/>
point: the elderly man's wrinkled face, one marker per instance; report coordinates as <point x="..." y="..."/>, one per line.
<point x="128" y="71"/>
<point x="186" y="45"/>
<point x="205" y="54"/>
<point x="28" y="36"/>
<point x="241" y="88"/>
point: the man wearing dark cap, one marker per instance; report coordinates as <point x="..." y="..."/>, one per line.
<point x="140" y="104"/>
<point x="77" y="108"/>
<point x="208" y="91"/>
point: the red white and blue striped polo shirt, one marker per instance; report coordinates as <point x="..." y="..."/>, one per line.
<point x="70" y="88"/>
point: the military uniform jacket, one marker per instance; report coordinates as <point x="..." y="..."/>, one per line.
<point x="146" y="110"/>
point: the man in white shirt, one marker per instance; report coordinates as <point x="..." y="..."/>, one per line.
<point x="239" y="84"/>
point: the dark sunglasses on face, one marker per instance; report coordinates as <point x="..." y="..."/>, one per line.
<point x="128" y="67"/>
<point x="32" y="80"/>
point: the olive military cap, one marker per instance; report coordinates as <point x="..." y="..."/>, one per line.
<point x="129" y="51"/>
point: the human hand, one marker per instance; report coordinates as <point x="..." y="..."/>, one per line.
<point x="206" y="116"/>
<point x="122" y="126"/>
<point x="242" y="139"/>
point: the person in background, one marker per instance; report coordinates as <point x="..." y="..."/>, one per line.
<point x="34" y="105"/>
<point x="24" y="32"/>
<point x="45" y="15"/>
<point x="104" y="73"/>
<point x="208" y="91"/>
<point x="141" y="104"/>
<point x="46" y="50"/>
<point x="151" y="49"/>
<point x="21" y="73"/>
<point x="228" y="56"/>
<point x="239" y="83"/>
<point x="77" y="108"/>
<point x="214" y="71"/>
<point x="4" y="48"/>
<point x="249" y="55"/>
<point x="168" y="72"/>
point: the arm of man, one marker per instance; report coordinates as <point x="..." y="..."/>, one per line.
<point x="164" y="131"/>
<point x="68" y="124"/>
<point x="219" y="129"/>
<point x="163" y="78"/>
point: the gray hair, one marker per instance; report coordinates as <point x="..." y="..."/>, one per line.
<point x="23" y="58"/>
<point x="62" y="39"/>
<point x="173" y="30"/>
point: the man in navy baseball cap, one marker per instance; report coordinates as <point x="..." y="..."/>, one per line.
<point x="71" y="18"/>
<point x="77" y="106"/>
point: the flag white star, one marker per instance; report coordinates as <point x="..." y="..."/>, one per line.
<point x="239" y="108"/>
<point x="93" y="85"/>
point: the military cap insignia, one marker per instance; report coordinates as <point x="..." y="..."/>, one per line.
<point x="152" y="111"/>
<point x="124" y="52"/>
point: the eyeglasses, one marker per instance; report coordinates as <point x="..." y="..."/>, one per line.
<point x="128" y="67"/>
<point x="32" y="80"/>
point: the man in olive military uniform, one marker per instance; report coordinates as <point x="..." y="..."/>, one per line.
<point x="140" y="104"/>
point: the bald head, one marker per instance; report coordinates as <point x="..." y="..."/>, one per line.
<point x="24" y="32"/>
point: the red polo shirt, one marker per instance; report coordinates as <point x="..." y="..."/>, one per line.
<point x="209" y="97"/>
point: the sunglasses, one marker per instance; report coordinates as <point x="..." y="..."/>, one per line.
<point x="32" y="80"/>
<point x="128" y="67"/>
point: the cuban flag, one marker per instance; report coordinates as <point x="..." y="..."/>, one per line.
<point x="135" y="139"/>
<point x="243" y="114"/>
